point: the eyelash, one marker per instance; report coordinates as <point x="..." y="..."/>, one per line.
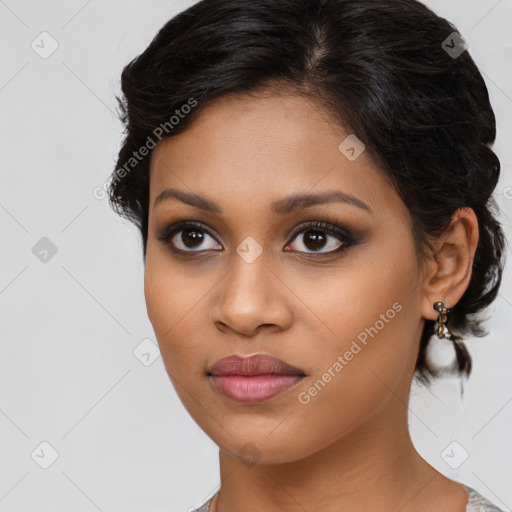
<point x="328" y="226"/>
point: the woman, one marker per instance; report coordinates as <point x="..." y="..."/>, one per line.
<point x="312" y="181"/>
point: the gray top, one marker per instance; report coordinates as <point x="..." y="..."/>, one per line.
<point x="476" y="503"/>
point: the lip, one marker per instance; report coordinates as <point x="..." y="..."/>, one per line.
<point x="253" y="379"/>
<point x="258" y="364"/>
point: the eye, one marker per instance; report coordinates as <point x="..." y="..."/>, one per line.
<point x="189" y="237"/>
<point x="317" y="235"/>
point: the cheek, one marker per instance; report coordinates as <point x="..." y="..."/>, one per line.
<point x="171" y="289"/>
<point x="171" y="301"/>
<point x="370" y="346"/>
<point x="370" y="317"/>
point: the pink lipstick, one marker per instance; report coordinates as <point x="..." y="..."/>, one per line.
<point x="253" y="379"/>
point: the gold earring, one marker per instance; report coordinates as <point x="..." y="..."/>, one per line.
<point x="463" y="358"/>
<point x="442" y="329"/>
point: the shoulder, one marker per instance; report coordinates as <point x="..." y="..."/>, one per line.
<point x="477" y="503"/>
<point x="205" y="506"/>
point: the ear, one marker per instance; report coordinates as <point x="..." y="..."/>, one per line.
<point x="449" y="269"/>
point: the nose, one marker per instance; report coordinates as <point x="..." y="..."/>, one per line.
<point x="251" y="297"/>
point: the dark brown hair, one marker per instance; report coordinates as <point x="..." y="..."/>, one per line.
<point x="383" y="68"/>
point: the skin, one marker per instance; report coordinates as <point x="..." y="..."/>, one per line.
<point x="350" y="444"/>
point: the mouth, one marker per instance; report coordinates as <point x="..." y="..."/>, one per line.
<point x="253" y="379"/>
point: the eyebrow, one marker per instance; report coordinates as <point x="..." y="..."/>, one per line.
<point x="279" y="207"/>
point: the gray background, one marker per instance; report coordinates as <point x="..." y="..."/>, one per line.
<point x="70" y="325"/>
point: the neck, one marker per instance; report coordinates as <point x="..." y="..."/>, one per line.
<point x="373" y="468"/>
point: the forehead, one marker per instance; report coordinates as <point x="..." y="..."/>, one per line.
<point x="251" y="149"/>
<point x="237" y="125"/>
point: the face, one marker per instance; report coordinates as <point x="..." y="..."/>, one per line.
<point x="329" y="286"/>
